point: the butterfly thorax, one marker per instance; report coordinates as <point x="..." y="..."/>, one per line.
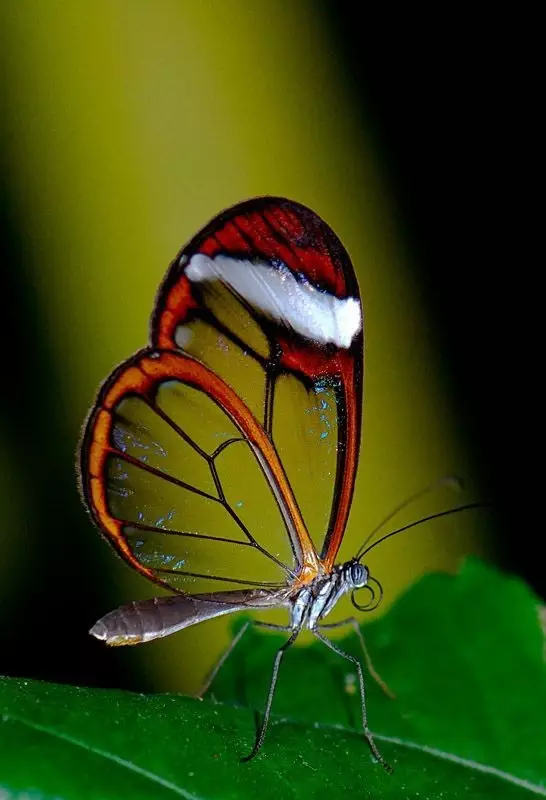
<point x="314" y="601"/>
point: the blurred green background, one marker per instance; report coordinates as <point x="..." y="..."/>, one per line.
<point x="125" y="127"/>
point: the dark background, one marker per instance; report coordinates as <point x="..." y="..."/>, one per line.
<point x="450" y="101"/>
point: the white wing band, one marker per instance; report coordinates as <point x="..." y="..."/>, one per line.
<point x="276" y="293"/>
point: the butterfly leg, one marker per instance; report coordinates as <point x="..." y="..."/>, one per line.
<point x="353" y="622"/>
<point x="358" y="665"/>
<point x="265" y="719"/>
<point x="223" y="658"/>
<point x="231" y="647"/>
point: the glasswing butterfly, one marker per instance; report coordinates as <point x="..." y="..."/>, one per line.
<point x="220" y="461"/>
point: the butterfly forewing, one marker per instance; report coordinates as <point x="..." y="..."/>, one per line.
<point x="266" y="296"/>
<point x="305" y="432"/>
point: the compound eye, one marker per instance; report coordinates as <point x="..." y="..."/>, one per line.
<point x="359" y="575"/>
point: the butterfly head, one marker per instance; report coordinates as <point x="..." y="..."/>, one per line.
<point x="358" y="577"/>
<point x="356" y="574"/>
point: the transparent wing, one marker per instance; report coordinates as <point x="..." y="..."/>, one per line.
<point x="184" y="482"/>
<point x="267" y="298"/>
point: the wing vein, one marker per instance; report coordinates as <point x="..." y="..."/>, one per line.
<point x="176" y="428"/>
<point x="241" y="581"/>
<point x="154" y="529"/>
<point x="159" y="474"/>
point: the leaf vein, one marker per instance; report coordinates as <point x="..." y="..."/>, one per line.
<point x="465" y="762"/>
<point x="105" y="754"/>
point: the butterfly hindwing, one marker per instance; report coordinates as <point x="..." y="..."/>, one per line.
<point x="184" y="481"/>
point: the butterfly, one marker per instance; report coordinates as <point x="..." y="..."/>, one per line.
<point x="220" y="460"/>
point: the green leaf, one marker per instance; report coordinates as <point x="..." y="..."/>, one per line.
<point x="464" y="655"/>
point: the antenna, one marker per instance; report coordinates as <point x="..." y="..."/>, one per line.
<point x="450" y="481"/>
<point x="439" y="514"/>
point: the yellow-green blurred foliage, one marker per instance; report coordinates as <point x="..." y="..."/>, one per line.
<point x="130" y="125"/>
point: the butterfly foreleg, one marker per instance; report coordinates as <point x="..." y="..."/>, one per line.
<point x="353" y="622"/>
<point x="358" y="665"/>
